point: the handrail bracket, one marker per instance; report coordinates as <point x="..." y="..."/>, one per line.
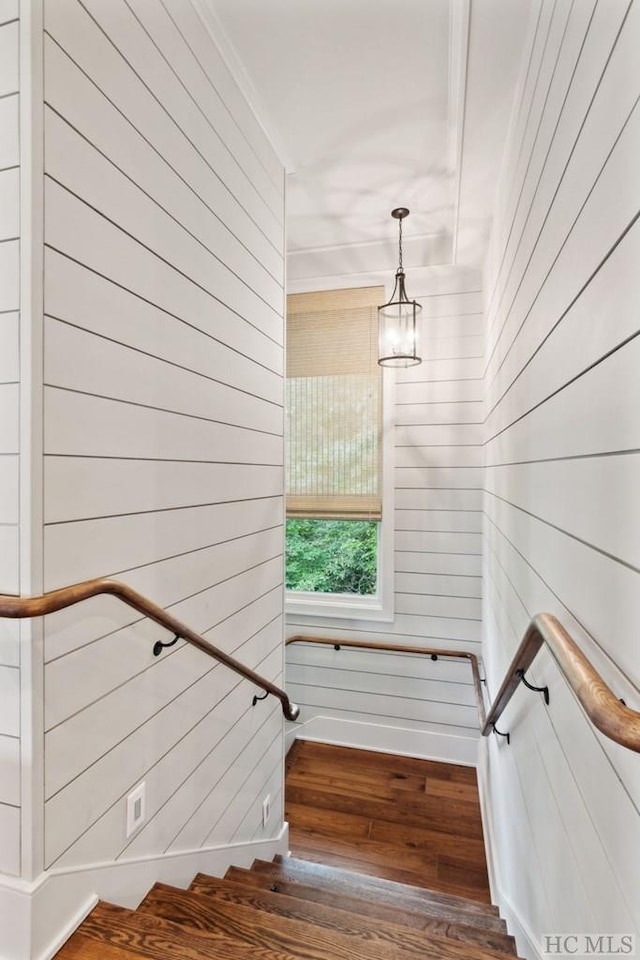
<point x="159" y="646"/>
<point x="507" y="736"/>
<point x="543" y="690"/>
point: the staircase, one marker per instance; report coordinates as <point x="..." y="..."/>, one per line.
<point x="389" y="864"/>
<point x="292" y="909"/>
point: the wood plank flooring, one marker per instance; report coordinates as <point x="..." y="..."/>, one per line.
<point x="408" y="820"/>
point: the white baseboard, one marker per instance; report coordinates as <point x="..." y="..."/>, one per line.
<point x="36" y="919"/>
<point x="486" y="815"/>
<point x="387" y="739"/>
<point x="527" y="944"/>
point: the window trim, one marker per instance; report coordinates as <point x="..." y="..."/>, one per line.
<point x="378" y="606"/>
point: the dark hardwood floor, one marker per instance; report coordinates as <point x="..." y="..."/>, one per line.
<point x="413" y="821"/>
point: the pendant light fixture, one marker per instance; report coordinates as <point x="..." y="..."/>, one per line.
<point x="398" y="333"/>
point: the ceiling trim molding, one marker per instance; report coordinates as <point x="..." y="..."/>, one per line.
<point x="226" y="49"/>
<point x="391" y="242"/>
<point x="459" y="27"/>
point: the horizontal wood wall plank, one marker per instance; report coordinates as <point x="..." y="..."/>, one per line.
<point x="9" y="770"/>
<point x="416" y="498"/>
<point x="439" y="585"/>
<point x="439" y="413"/>
<point x="10" y="640"/>
<point x="452" y="521"/>
<point x="133" y="486"/>
<point x="439" y="391"/>
<point x="125" y="429"/>
<point x="10" y="701"/>
<point x="10" y="821"/>
<point x="9" y="491"/>
<point x="9" y="559"/>
<point x="439" y="478"/>
<point x="10" y="143"/>
<point x="450" y="564"/>
<point x="9" y="10"/>
<point x="9" y="268"/>
<point x="9" y="348"/>
<point x="9" y="50"/>
<point x="9" y="196"/>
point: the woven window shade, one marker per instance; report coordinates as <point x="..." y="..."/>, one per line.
<point x="334" y="405"/>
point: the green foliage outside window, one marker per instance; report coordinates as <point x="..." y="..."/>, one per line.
<point x="332" y="556"/>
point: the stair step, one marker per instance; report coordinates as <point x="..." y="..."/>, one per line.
<point x="293" y="935"/>
<point x="398" y="908"/>
<point x="347" y="915"/>
<point x="115" y="933"/>
<point x="437" y="874"/>
<point x="402" y="910"/>
<point x="385" y="891"/>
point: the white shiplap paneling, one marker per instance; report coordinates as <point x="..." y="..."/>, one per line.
<point x="561" y="443"/>
<point x="163" y="424"/>
<point x="10" y="698"/>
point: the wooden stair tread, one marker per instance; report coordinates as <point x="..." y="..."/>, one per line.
<point x="437" y="874"/>
<point x="136" y="934"/>
<point x="346" y="914"/>
<point x="319" y="873"/>
<point x="293" y="934"/>
<point x="408" y="912"/>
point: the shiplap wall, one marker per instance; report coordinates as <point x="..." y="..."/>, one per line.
<point x="402" y="701"/>
<point x="9" y="433"/>
<point x="562" y="527"/>
<point x="162" y="432"/>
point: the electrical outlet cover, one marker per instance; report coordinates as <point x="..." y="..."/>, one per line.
<point x="266" y="809"/>
<point x="136" y="808"/>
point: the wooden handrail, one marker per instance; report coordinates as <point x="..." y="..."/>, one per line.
<point x="604" y="709"/>
<point x="23" y="607"/>
<point x="393" y="648"/>
<point x="609" y="714"/>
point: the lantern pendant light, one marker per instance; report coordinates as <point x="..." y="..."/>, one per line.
<point x="398" y="333"/>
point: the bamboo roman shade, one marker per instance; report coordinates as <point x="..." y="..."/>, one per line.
<point x="334" y="405"/>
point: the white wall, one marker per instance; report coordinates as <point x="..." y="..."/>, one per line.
<point x="405" y="702"/>
<point x="163" y="460"/>
<point x="562" y="467"/>
<point x="163" y="431"/>
<point x="10" y="791"/>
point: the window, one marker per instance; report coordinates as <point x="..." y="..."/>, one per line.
<point x="334" y="454"/>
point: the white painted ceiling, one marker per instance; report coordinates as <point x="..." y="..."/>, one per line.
<point x="382" y="103"/>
